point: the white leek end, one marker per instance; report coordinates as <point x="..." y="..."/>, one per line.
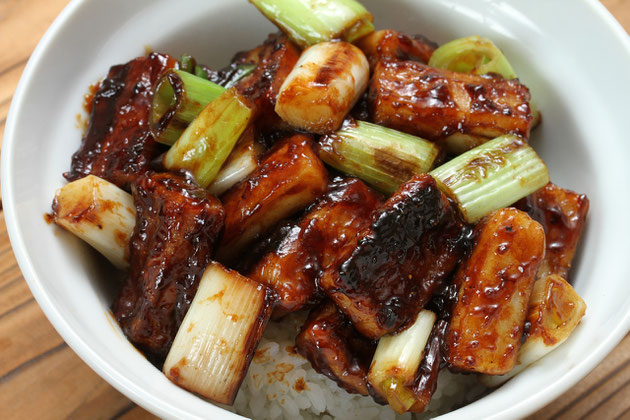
<point x="396" y="362"/>
<point x="219" y="334"/>
<point x="98" y="212"/>
<point x="555" y="309"/>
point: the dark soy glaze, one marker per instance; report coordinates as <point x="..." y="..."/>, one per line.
<point x="495" y="283"/>
<point x="118" y="145"/>
<point x="311" y="245"/>
<point x="562" y="214"/>
<point x="384" y="277"/>
<point x="391" y="44"/>
<point x="177" y="224"/>
<point x="336" y="349"/>
<point x="435" y="104"/>
<point x="274" y="60"/>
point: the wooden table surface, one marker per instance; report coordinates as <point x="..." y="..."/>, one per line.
<point x="41" y="377"/>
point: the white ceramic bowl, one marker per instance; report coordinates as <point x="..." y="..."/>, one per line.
<point x="571" y="53"/>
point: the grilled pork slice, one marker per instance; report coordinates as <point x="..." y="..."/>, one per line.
<point x="177" y="224"/>
<point x="274" y="60"/>
<point x="496" y="282"/>
<point x="295" y="264"/>
<point x="457" y="110"/>
<point x="323" y="87"/>
<point x="389" y="44"/>
<point x="384" y="276"/>
<point x="555" y="309"/>
<point x="118" y="145"/>
<point x="334" y="348"/>
<point x="219" y="335"/>
<point x="287" y="180"/>
<point x="98" y="212"/>
<point x="562" y="214"/>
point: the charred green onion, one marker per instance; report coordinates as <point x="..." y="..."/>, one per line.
<point x="309" y="22"/>
<point x="178" y="98"/>
<point x="382" y="157"/>
<point x="206" y="143"/>
<point x="491" y="176"/>
<point x="477" y="55"/>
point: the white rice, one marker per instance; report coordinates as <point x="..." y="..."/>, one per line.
<point x="281" y="384"/>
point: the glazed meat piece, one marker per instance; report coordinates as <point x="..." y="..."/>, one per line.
<point x="287" y="180"/>
<point x="562" y="214"/>
<point x="177" y="224"/>
<point x="495" y="284"/>
<point x="274" y="60"/>
<point x="457" y="110"/>
<point x="311" y="245"/>
<point x="335" y="349"/>
<point x="384" y="277"/>
<point x="390" y="44"/>
<point x="118" y="145"/>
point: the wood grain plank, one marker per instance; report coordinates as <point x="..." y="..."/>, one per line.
<point x="59" y="386"/>
<point x="22" y="24"/>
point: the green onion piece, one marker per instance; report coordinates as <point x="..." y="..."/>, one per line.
<point x="187" y="63"/>
<point x="206" y="143"/>
<point x="472" y="54"/>
<point x="238" y="72"/>
<point x="477" y="55"/>
<point x="491" y="176"/>
<point x="396" y="362"/>
<point x="200" y="72"/>
<point x="382" y="157"/>
<point x="178" y="97"/>
<point x="309" y="22"/>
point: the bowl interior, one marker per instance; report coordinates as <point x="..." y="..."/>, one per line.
<point x="581" y="139"/>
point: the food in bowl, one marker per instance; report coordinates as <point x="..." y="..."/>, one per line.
<point x="413" y="263"/>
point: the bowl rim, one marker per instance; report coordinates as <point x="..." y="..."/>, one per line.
<point x="141" y="396"/>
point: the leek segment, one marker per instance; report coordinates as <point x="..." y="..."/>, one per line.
<point x="219" y="334"/>
<point x="98" y="212"/>
<point x="208" y="140"/>
<point x="308" y="22"/>
<point x="491" y="176"/>
<point x="476" y="55"/>
<point x="382" y="157"/>
<point x="178" y="98"/>
<point x="396" y="361"/>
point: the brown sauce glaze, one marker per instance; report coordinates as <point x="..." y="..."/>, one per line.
<point x="495" y="284"/>
<point x="384" y="277"/>
<point x="425" y="382"/>
<point x="177" y="224"/>
<point x="274" y="60"/>
<point x="390" y="44"/>
<point x="289" y="178"/>
<point x="562" y="214"/>
<point x="335" y="349"/>
<point x="293" y="267"/>
<point x="435" y="104"/>
<point x="118" y="145"/>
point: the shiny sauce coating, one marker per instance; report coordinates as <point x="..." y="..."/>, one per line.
<point x="437" y="104"/>
<point x="562" y="214"/>
<point x="311" y="245"/>
<point x="177" y="225"/>
<point x="384" y="277"/>
<point x="495" y="284"/>
<point x="335" y="348"/>
<point x="118" y="145"/>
